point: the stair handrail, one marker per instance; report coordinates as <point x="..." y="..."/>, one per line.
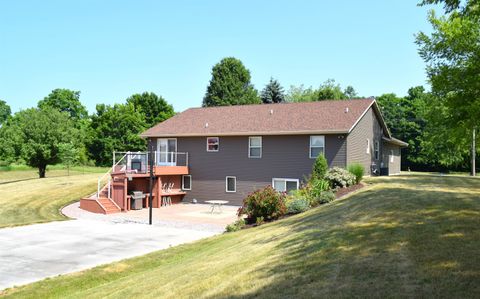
<point x="109" y="173"/>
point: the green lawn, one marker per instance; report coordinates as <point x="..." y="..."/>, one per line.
<point x="14" y="173"/>
<point x="25" y="199"/>
<point x="404" y="236"/>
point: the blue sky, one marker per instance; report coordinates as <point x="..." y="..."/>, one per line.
<point x="111" y="49"/>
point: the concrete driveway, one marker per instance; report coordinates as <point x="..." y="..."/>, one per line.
<point x="34" y="252"/>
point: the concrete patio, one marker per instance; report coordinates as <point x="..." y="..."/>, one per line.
<point x="34" y="252"/>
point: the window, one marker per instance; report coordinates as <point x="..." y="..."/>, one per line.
<point x="368" y="146"/>
<point x="377" y="150"/>
<point x="391" y="156"/>
<point x="285" y="185"/>
<point x="213" y="143"/>
<point x="186" y="182"/>
<point x="317" y="146"/>
<point x="254" y="147"/>
<point x="231" y="184"/>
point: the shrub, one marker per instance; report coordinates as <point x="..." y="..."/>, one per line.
<point x="320" y="167"/>
<point x="266" y="203"/>
<point x="340" y="178"/>
<point x="297" y="205"/>
<point x="324" y="197"/>
<point x="237" y="225"/>
<point x="357" y="170"/>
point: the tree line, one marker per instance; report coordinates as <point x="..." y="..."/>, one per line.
<point x="439" y="125"/>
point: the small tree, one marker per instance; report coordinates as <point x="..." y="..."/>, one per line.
<point x="273" y="92"/>
<point x="320" y="167"/>
<point x="69" y="154"/>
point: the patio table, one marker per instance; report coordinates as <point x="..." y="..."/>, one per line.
<point x="216" y="203"/>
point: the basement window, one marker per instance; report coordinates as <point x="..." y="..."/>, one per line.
<point x="186" y="182"/>
<point x="231" y="184"/>
<point x="285" y="185"/>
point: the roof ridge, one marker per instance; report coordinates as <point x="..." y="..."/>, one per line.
<point x="282" y="103"/>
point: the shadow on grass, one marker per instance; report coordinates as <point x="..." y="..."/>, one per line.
<point x="392" y="242"/>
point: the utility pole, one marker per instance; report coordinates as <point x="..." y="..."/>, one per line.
<point x="474" y="152"/>
<point x="150" y="200"/>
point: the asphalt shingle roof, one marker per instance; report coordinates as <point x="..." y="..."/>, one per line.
<point x="337" y="116"/>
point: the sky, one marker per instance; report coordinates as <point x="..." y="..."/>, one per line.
<point x="109" y="50"/>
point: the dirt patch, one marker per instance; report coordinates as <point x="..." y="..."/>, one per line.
<point x="344" y="191"/>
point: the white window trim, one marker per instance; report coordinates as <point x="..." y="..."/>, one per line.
<point x="250" y="147"/>
<point x="368" y="146"/>
<point x="286" y="180"/>
<point x="310" y="147"/>
<point x="183" y="187"/>
<point x="226" y="184"/>
<point x="391" y="156"/>
<point x="376" y="150"/>
<point x="218" y="144"/>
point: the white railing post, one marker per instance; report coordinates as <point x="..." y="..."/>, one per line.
<point x="186" y="159"/>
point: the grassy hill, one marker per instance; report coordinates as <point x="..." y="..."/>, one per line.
<point x="408" y="236"/>
<point x="26" y="199"/>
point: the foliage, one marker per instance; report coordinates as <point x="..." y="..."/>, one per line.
<point x="5" y="111"/>
<point x="273" y="92"/>
<point x="320" y="167"/>
<point x="406" y="119"/>
<point x="324" y="197"/>
<point x="154" y="107"/>
<point x="230" y="85"/>
<point x="314" y="189"/>
<point x="357" y="170"/>
<point x="35" y="135"/>
<point x="266" y="203"/>
<point x="115" y="128"/>
<point x="328" y="90"/>
<point x="65" y="100"/>
<point x="452" y="55"/>
<point x="297" y="205"/>
<point x="236" y="226"/>
<point x="467" y="8"/>
<point x="340" y="178"/>
<point x="69" y="154"/>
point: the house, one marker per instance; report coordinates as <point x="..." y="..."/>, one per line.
<point x="227" y="152"/>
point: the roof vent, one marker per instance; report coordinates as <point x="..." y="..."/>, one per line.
<point x="271" y="111"/>
<point x="206" y="125"/>
<point x="346" y="110"/>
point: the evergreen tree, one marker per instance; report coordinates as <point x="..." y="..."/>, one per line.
<point x="230" y="85"/>
<point x="273" y="92"/>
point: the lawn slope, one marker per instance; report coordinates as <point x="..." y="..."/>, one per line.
<point x="25" y="200"/>
<point x="408" y="236"/>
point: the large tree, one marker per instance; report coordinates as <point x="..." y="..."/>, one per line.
<point x="154" y="107"/>
<point x="115" y="128"/>
<point x="5" y="111"/>
<point x="273" y="92"/>
<point x="36" y="136"/>
<point x="405" y="117"/>
<point x="452" y="54"/>
<point x="230" y="85"/>
<point x="65" y="100"/>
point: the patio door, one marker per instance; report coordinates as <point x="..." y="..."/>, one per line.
<point x="167" y="151"/>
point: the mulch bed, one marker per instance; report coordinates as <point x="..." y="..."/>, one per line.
<point x="344" y="191"/>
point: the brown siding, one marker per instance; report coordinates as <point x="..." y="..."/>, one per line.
<point x="393" y="167"/>
<point x="367" y="128"/>
<point x="282" y="157"/>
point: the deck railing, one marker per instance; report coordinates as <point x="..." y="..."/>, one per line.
<point x="138" y="162"/>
